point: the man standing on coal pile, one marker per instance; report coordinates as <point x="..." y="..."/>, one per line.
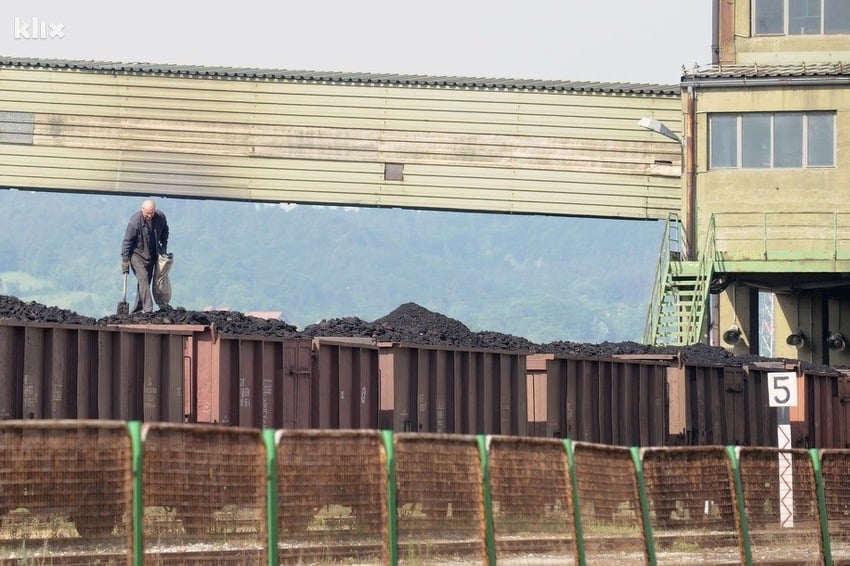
<point x="145" y="239"/>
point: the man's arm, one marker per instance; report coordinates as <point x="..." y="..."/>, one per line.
<point x="163" y="236"/>
<point x="128" y="244"/>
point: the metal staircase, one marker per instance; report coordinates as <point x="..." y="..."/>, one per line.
<point x="680" y="298"/>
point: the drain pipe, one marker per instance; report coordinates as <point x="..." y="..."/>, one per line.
<point x="689" y="156"/>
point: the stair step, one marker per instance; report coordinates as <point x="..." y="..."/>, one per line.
<point x="684" y="268"/>
<point x="682" y="305"/>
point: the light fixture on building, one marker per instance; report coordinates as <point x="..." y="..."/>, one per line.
<point x="796" y="339"/>
<point x="659" y="128"/>
<point x="732" y="336"/>
<point x="835" y="341"/>
<point x="718" y="284"/>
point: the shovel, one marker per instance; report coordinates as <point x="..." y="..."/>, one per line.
<point x="124" y="306"/>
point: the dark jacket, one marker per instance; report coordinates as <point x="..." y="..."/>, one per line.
<point x="143" y="241"/>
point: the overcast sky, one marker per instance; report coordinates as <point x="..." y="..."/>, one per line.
<point x="644" y="41"/>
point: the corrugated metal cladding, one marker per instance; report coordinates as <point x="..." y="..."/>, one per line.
<point x="537" y="147"/>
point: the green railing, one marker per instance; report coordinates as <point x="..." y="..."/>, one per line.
<point x="677" y="318"/>
<point x="330" y="497"/>
<point x="678" y="304"/>
<point x="766" y="236"/>
<point x="699" y="299"/>
<point x="671" y="246"/>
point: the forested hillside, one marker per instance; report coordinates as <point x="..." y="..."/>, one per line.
<point x="543" y="278"/>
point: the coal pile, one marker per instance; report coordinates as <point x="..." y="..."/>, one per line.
<point x="408" y="324"/>
<point x="697" y="354"/>
<point x="225" y="322"/>
<point x="414" y="324"/>
<point x="15" y="309"/>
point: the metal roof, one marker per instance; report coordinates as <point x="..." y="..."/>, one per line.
<point x="342" y="78"/>
<point x="756" y="71"/>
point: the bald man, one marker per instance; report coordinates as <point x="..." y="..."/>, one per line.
<point x="145" y="238"/>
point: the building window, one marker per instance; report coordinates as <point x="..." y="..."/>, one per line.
<point x="800" y="17"/>
<point x="778" y="140"/>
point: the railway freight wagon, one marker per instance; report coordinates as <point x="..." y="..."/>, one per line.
<point x="661" y="400"/>
<point x="184" y="373"/>
<point x="192" y="374"/>
<point x="729" y="405"/>
<point x="54" y="371"/>
<point x="355" y="383"/>
<point x="452" y="390"/>
<point x="621" y="402"/>
<point x="270" y="382"/>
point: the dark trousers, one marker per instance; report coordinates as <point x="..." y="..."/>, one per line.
<point x="144" y="275"/>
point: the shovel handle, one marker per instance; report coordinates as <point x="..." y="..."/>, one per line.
<point x="124" y="295"/>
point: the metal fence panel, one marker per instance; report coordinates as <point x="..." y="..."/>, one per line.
<point x="610" y="504"/>
<point x="439" y="498"/>
<point x="692" y="496"/>
<point x="781" y="503"/>
<point x="332" y="497"/>
<point x="65" y="490"/>
<point x="531" y="498"/>
<point x="204" y="486"/>
<point x="835" y="467"/>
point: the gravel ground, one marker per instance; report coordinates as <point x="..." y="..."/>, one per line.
<point x="409" y="323"/>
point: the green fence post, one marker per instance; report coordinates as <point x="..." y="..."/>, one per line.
<point x="270" y="440"/>
<point x="578" y="531"/>
<point x="732" y="453"/>
<point x="392" y="513"/>
<point x="483" y="448"/>
<point x="649" y="539"/>
<point x="826" y="548"/>
<point x="135" y="430"/>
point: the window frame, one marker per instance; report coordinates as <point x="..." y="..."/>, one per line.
<point x="786" y="13"/>
<point x="808" y="160"/>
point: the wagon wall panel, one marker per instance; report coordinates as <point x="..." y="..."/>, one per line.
<point x="607" y="401"/>
<point x="440" y="389"/>
<point x="11" y="377"/>
<point x="294" y="394"/>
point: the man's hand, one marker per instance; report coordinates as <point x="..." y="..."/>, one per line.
<point x="125" y="266"/>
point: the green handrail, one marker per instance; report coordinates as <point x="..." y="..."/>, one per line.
<point x="654" y="313"/>
<point x="798" y="236"/>
<point x="701" y="288"/>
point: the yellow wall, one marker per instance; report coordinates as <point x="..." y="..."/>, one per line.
<point x="734" y="306"/>
<point x="771" y="190"/>
<point x="778" y="50"/>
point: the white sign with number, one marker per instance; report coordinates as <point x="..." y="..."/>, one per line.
<point x="782" y="388"/>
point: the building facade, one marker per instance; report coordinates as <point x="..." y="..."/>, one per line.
<point x="766" y="177"/>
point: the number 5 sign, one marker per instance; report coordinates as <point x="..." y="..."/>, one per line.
<point x="782" y="388"/>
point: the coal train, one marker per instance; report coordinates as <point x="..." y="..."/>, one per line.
<point x="194" y="373"/>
